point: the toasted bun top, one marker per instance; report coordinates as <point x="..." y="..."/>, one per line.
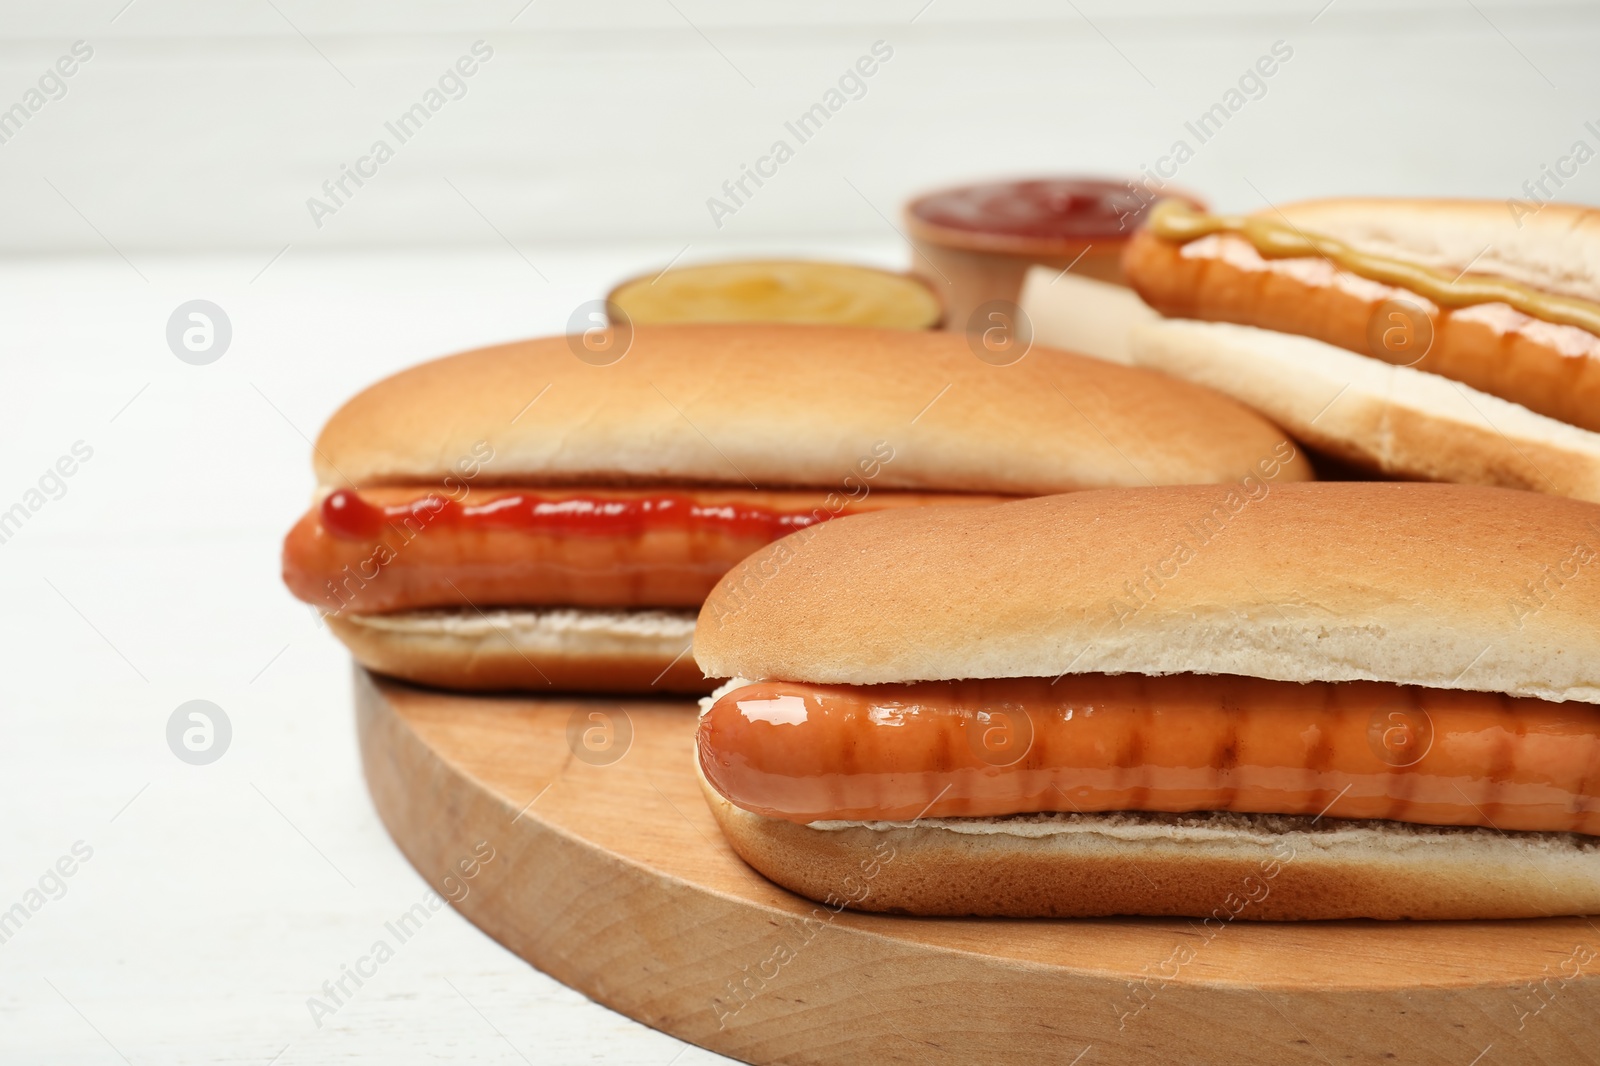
<point x="774" y="405"/>
<point x="1555" y="248"/>
<point x="1448" y="586"/>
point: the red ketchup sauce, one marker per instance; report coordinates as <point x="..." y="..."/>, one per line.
<point x="401" y="548"/>
<point x="347" y="516"/>
<point x="1044" y="209"/>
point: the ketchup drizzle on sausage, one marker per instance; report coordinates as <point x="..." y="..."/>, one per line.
<point x="347" y="516"/>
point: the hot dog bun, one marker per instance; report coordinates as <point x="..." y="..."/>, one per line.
<point x="1083" y="314"/>
<point x="1408" y="583"/>
<point x="552" y="650"/>
<point x="1220" y="867"/>
<point x="1555" y="248"/>
<point x="791" y="406"/>
<point x="1402" y="422"/>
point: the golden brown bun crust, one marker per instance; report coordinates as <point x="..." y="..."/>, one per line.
<point x="539" y="651"/>
<point x="1216" y="867"/>
<point x="1409" y="583"/>
<point x="1206" y="280"/>
<point x="791" y="406"/>
<point x="1403" y="422"/>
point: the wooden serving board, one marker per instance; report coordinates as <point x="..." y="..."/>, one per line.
<point x="606" y="871"/>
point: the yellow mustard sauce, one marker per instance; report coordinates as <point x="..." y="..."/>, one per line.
<point x="1176" y="221"/>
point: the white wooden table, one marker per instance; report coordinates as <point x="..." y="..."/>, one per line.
<point x="217" y="899"/>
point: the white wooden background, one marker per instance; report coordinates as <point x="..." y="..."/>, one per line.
<point x="208" y="123"/>
<point x="176" y="167"/>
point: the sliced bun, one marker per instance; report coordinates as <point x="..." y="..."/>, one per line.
<point x="1083" y="314"/>
<point x="540" y="650"/>
<point x="1409" y="583"/>
<point x="1220" y="867"/>
<point x="1555" y="248"/>
<point x="790" y="406"/>
<point x="1403" y="422"/>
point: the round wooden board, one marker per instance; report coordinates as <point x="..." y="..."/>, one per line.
<point x="615" y="880"/>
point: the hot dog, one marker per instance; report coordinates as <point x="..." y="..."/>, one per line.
<point x="536" y="516"/>
<point x="1504" y="308"/>
<point x="1119" y="704"/>
<point x="1549" y="367"/>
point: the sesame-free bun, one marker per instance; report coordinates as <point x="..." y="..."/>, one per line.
<point x="1210" y="865"/>
<point x="542" y="650"/>
<point x="1394" y="419"/>
<point x="1446" y="586"/>
<point x="1555" y="248"/>
<point x="1083" y="314"/>
<point x="790" y="406"/>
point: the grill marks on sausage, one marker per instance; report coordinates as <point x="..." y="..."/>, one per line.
<point x="1174" y="744"/>
<point x="1549" y="368"/>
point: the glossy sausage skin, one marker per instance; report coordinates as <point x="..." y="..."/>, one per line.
<point x="1548" y="368"/>
<point x="423" y="551"/>
<point x="1356" y="749"/>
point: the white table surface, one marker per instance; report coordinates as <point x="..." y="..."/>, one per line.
<point x="219" y="898"/>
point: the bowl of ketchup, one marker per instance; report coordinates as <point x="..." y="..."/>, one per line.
<point x="974" y="243"/>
